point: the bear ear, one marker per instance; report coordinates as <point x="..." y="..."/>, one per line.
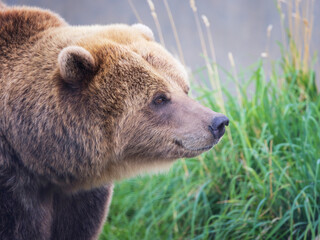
<point x="76" y="64"/>
<point x="146" y="31"/>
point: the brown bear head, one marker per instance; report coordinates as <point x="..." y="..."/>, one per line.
<point x="140" y="94"/>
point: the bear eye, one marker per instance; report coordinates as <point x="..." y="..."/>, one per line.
<point x="160" y="100"/>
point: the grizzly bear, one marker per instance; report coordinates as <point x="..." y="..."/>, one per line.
<point x="82" y="107"/>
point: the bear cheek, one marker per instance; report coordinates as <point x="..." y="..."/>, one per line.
<point x="144" y="135"/>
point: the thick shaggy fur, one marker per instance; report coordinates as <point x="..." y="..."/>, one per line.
<point x="80" y="108"/>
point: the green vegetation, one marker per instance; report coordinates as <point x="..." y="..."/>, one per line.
<point x="262" y="181"/>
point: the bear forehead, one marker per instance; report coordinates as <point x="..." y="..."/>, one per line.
<point x="133" y="43"/>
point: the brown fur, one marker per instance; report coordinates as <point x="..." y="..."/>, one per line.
<point x="78" y="112"/>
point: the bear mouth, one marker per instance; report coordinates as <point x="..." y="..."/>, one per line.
<point x="199" y="150"/>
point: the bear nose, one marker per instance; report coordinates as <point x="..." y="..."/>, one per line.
<point x="218" y="126"/>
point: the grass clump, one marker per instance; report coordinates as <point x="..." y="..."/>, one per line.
<point x="261" y="182"/>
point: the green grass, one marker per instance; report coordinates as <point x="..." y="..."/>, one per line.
<point x="260" y="182"/>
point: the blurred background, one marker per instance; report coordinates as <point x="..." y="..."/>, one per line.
<point x="239" y="27"/>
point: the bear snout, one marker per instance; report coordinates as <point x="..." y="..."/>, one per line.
<point x="217" y="127"/>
